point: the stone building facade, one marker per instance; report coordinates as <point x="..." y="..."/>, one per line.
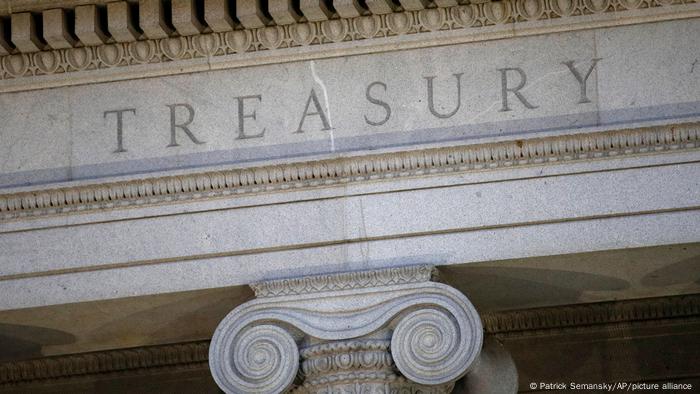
<point x="346" y="196"/>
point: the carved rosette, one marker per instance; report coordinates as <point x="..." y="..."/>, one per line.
<point x="384" y="331"/>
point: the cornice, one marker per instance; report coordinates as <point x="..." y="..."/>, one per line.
<point x="39" y="66"/>
<point x="328" y="172"/>
<point x="582" y="317"/>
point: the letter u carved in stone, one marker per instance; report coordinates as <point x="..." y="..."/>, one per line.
<point x="386" y="331"/>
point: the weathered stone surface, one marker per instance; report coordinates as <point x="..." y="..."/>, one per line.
<point x="349" y="104"/>
<point x="348" y="8"/>
<point x="282" y="12"/>
<point x="364" y="365"/>
<point x="120" y="22"/>
<point x="488" y="137"/>
<point x="495" y="180"/>
<point x="456" y="217"/>
<point x="24" y="34"/>
<point x="56" y="31"/>
<point x="414" y="5"/>
<point x="251" y="14"/>
<point x="217" y="14"/>
<point x="152" y="19"/>
<point x="465" y="212"/>
<point x="381" y="6"/>
<point x="5" y="47"/>
<point x="450" y="24"/>
<point x="315" y="10"/>
<point x="185" y="17"/>
<point x="87" y="26"/>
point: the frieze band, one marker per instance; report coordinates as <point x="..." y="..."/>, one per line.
<point x="513" y="81"/>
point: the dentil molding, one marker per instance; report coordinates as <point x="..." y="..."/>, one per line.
<point x="356" y="332"/>
<point x="587" y="316"/>
<point x="108" y="43"/>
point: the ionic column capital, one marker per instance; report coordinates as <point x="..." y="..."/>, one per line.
<point x="382" y="329"/>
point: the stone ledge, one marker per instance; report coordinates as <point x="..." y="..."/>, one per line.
<point x="198" y="186"/>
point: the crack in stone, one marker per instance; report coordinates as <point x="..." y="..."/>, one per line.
<point x="320" y="83"/>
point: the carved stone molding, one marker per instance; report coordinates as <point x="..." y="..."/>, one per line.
<point x="344" y="281"/>
<point x="198" y="186"/>
<point x="102" y="53"/>
<point x="588" y="315"/>
<point x="176" y="356"/>
<point x="406" y="336"/>
<point x="583" y="317"/>
<point x="356" y="366"/>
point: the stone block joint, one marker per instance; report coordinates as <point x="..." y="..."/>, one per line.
<point x="379" y="331"/>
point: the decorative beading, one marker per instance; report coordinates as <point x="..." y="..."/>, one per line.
<point x="343" y="281"/>
<point x="357" y="366"/>
<point x="213" y="184"/>
<point x="331" y="362"/>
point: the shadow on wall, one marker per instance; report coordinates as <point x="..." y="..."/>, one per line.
<point x="686" y="271"/>
<point x="182" y="320"/>
<point x="18" y="342"/>
<point x="497" y="288"/>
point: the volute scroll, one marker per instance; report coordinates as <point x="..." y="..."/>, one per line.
<point x="385" y="331"/>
